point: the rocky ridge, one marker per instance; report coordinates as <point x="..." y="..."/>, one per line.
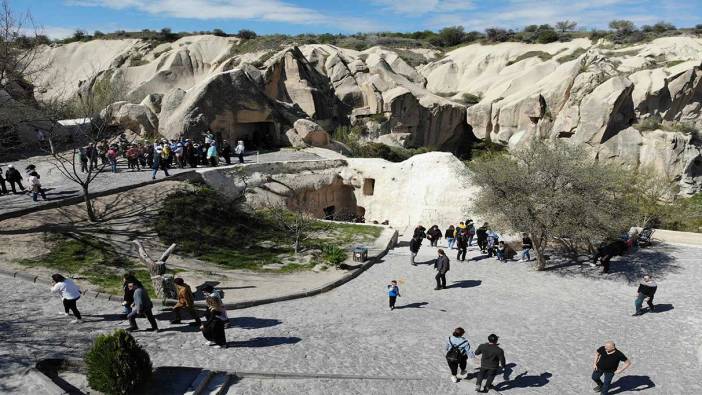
<point x="639" y="106"/>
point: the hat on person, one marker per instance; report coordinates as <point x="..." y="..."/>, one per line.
<point x="207" y="288"/>
<point x="178" y="281"/>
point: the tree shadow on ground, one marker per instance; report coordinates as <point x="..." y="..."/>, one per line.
<point x="253" y="322"/>
<point x="429" y="262"/>
<point x="264" y="342"/>
<point x="416" y="305"/>
<point x="657" y="262"/>
<point x="631" y="383"/>
<point x="523" y="380"/>
<point x="465" y="284"/>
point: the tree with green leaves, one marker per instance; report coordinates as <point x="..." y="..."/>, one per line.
<point x="452" y="35"/>
<point x="566" y="26"/>
<point x="553" y="192"/>
<point x="622" y="26"/>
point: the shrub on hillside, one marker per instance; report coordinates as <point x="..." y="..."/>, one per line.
<point x="117" y="364"/>
<point x="333" y="254"/>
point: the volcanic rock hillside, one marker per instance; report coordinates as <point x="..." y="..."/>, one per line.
<point x="639" y="105"/>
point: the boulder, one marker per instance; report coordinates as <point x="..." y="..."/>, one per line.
<point x="153" y="102"/>
<point x="294" y="140"/>
<point x="311" y="133"/>
<point x="605" y="111"/>
<point x="136" y="117"/>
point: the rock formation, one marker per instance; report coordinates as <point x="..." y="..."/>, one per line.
<point x="638" y="106"/>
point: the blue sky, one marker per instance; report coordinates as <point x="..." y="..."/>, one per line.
<point x="59" y="18"/>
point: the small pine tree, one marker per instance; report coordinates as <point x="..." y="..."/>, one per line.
<point x="117" y="364"/>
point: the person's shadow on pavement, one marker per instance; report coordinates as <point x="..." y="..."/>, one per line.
<point x="631" y="383"/>
<point x="522" y="380"/>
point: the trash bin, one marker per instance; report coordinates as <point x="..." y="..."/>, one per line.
<point x="360" y="254"/>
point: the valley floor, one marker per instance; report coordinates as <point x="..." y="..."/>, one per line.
<point x="549" y="323"/>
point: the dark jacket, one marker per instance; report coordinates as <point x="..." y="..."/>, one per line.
<point x="13" y="175"/>
<point x="481" y="233"/>
<point x="419" y="232"/>
<point x="526" y="243"/>
<point x="434" y="233"/>
<point x="462" y="241"/>
<point x="128" y="295"/>
<point x="442" y="264"/>
<point x="648" y="289"/>
<point x="415" y="243"/>
<point x="492" y="356"/>
<point x="449" y="232"/>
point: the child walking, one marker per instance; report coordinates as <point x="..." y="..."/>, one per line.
<point x="393" y="293"/>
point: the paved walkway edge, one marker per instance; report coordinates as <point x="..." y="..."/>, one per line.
<point x="190" y="175"/>
<point x="388" y="239"/>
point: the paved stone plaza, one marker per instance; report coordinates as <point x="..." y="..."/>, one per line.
<point x="549" y="325"/>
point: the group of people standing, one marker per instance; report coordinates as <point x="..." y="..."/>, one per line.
<point x="161" y="154"/>
<point x="14" y="178"/>
<point x="137" y="304"/>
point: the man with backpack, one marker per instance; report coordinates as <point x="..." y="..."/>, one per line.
<point x="442" y="266"/>
<point x="457" y="353"/>
<point x="492" y="358"/>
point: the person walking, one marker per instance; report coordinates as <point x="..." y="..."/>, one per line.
<point x="492" y="239"/>
<point x="526" y="247"/>
<point x="492" y="357"/>
<point x="2" y="184"/>
<point x="462" y="244"/>
<point x="212" y="155"/>
<point x="414" y="245"/>
<point x="128" y="293"/>
<point x="647" y="290"/>
<point x="69" y="293"/>
<point x="442" y="266"/>
<point x="434" y="234"/>
<point x="142" y="307"/>
<point x="133" y="158"/>
<point x="161" y="155"/>
<point x="470" y="227"/>
<point x="83" y="158"/>
<point x="35" y="186"/>
<point x="457" y="353"/>
<point x="450" y="239"/>
<point x="393" y="293"/>
<point x="481" y="235"/>
<point x="239" y="150"/>
<point x="213" y="328"/>
<point x="14" y="177"/>
<point x="112" y="157"/>
<point x="185" y="301"/>
<point x="227" y="152"/>
<point x="607" y="359"/>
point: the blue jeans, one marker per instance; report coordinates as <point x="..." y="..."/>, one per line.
<point x="500" y="255"/>
<point x="470" y="241"/>
<point x="451" y="241"/>
<point x="639" y="302"/>
<point x="113" y="163"/>
<point x="607" y="380"/>
<point x="525" y="254"/>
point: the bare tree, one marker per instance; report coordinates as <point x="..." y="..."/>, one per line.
<point x="296" y="222"/>
<point x="20" y="44"/>
<point x="94" y="112"/>
<point x="163" y="283"/>
<point x="552" y="191"/>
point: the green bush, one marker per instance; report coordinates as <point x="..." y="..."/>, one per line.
<point x="651" y="123"/>
<point x="117" y="364"/>
<point x="333" y="254"/>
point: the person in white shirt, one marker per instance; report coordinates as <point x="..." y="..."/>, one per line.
<point x="69" y="293"/>
<point x="35" y="186"/>
<point x="239" y="150"/>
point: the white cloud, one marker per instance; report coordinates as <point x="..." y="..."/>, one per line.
<point x="420" y="7"/>
<point x="519" y="13"/>
<point x="263" y="10"/>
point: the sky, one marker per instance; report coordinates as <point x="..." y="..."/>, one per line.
<point x="60" y="18"/>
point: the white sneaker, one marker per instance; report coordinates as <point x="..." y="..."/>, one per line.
<point x="464" y="374"/>
<point x="454" y="379"/>
<point x="211" y="343"/>
<point x="62" y="313"/>
<point x="76" y="321"/>
<point x="216" y="346"/>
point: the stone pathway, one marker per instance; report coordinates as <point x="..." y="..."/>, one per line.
<point x="58" y="187"/>
<point x="549" y="323"/>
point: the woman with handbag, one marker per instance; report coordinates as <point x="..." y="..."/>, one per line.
<point x="213" y="328"/>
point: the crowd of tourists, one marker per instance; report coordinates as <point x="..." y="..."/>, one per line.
<point x="489" y="357"/>
<point x="162" y="154"/>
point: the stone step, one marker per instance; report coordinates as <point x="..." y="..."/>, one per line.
<point x="218" y="384"/>
<point x="200" y="382"/>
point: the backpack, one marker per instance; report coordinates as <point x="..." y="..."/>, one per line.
<point x="454" y="354"/>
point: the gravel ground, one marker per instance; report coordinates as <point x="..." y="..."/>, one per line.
<point x="549" y="324"/>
